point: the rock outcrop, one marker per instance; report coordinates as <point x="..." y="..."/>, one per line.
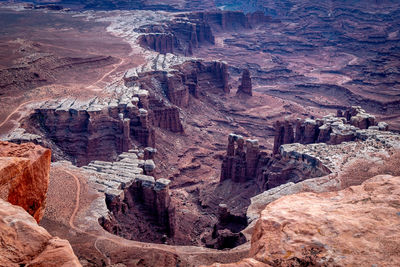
<point x="97" y="129"/>
<point x="180" y="80"/>
<point x="245" y="87"/>
<point x="355" y="226"/>
<point x="240" y="163"/>
<point x="160" y="42"/>
<point x="187" y="31"/>
<point x="316" y="222"/>
<point x="245" y="162"/>
<point x="226" y="233"/>
<point x="24" y="243"/>
<point x="100" y="128"/>
<point x="330" y="129"/>
<point x="140" y="206"/>
<point x="24" y="176"/>
<point x="329" y="144"/>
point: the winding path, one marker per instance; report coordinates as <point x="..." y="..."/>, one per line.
<point x="116" y="66"/>
<point x="16" y="110"/>
<point x="177" y="250"/>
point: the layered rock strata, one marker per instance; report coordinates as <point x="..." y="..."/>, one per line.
<point x="245" y="86"/>
<point x="180" y="80"/>
<point x="24" y="176"/>
<point x="187" y="31"/>
<point x="330" y="129"/>
<point x="134" y="198"/>
<point x="315" y="221"/>
<point x="24" y="243"/>
<point x="320" y="154"/>
<point x="226" y="233"/>
<point x="99" y="128"/>
<point x="318" y="228"/>
<point x="241" y="160"/>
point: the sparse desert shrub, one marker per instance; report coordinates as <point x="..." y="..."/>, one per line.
<point x="362" y="170"/>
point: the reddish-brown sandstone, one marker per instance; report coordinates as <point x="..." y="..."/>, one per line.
<point x="24" y="176"/>
<point x="245" y="87"/>
<point x="356" y="226"/>
<point x="24" y="243"/>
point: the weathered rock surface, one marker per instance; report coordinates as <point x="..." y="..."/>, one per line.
<point x="179" y="79"/>
<point x="330" y="129"/>
<point x="140" y="206"/>
<point x="187" y="31"/>
<point x="358" y="225"/>
<point x="24" y="243"/>
<point x="245" y="87"/>
<point x="24" y="176"/>
<point x="240" y="163"/>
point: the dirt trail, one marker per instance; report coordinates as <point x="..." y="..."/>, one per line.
<point x="179" y="250"/>
<point x="17" y="109"/>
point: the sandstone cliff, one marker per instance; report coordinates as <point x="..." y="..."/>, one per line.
<point x="356" y="226"/>
<point x="330" y="129"/>
<point x="24" y="243"/>
<point x="24" y="176"/>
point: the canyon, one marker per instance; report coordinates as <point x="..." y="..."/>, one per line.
<point x="201" y="133"/>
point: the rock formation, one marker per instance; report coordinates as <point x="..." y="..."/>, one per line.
<point x="323" y="146"/>
<point x="330" y="129"/>
<point x="100" y="129"/>
<point x="24" y="176"/>
<point x="187" y="31"/>
<point x="181" y="80"/>
<point x="226" y="233"/>
<point x="284" y="134"/>
<point x="159" y="42"/>
<point x="315" y="221"/>
<point x="133" y="197"/>
<point x="241" y="160"/>
<point x="321" y="235"/>
<point x="24" y="243"/>
<point x="245" y="87"/>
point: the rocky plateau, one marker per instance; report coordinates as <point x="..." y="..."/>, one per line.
<point x="199" y="133"/>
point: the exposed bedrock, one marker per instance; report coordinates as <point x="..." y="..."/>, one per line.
<point x="240" y="163"/>
<point x="196" y="78"/>
<point x="226" y="233"/>
<point x="245" y="162"/>
<point x="24" y="176"/>
<point x="95" y="130"/>
<point x="145" y="201"/>
<point x="316" y="222"/>
<point x="25" y="243"/>
<point x="245" y="86"/>
<point x="180" y="81"/>
<point x="369" y="215"/>
<point x="140" y="206"/>
<point x="230" y="20"/>
<point x="188" y="31"/>
<point x="330" y="129"/>
<point x="160" y="42"/>
<point x="101" y="129"/>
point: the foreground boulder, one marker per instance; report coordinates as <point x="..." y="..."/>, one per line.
<point x="24" y="176"/>
<point x="25" y="243"/>
<point x="358" y="226"/>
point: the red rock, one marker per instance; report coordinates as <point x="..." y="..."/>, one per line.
<point x="24" y="243"/>
<point x="284" y="134"/>
<point x="24" y="176"/>
<point x="240" y="163"/>
<point x="245" y="87"/>
<point x="159" y="42"/>
<point x="167" y="118"/>
<point x="356" y="226"/>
